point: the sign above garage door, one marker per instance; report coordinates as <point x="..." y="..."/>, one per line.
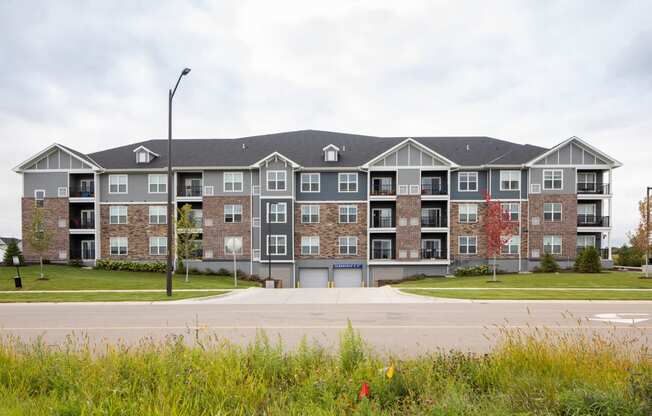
<point x="347" y="266"/>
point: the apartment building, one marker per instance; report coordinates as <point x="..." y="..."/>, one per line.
<point x="317" y="209"/>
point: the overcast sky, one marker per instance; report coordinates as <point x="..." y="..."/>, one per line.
<point x="94" y="75"/>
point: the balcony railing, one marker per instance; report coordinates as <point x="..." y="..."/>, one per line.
<point x="433" y="221"/>
<point x="433" y="254"/>
<point x="604" y="252"/>
<point x="433" y="189"/>
<point x="590" y="220"/>
<point x="593" y="188"/>
<point x="81" y="224"/>
<point x="383" y="189"/>
<point x="190" y="190"/>
<point x="382" y="222"/>
<point x="85" y="192"/>
<point x="381" y="254"/>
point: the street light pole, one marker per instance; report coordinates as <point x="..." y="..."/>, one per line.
<point x="171" y="210"/>
<point x="647" y="233"/>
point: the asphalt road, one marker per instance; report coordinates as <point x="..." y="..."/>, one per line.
<point x="400" y="328"/>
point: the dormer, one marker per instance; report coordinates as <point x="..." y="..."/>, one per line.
<point x="144" y="155"/>
<point x="331" y="153"/>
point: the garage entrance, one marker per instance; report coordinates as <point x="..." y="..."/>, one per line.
<point x="347" y="277"/>
<point x="313" y="278"/>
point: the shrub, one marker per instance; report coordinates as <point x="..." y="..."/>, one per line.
<point x="481" y="270"/>
<point x="629" y="256"/>
<point x="588" y="261"/>
<point x="548" y="264"/>
<point x="75" y="263"/>
<point x="13" y="250"/>
<point x="130" y="266"/>
<point x="223" y="272"/>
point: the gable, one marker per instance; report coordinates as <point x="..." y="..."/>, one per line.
<point x="409" y="154"/>
<point x="574" y="152"/>
<point x="58" y="159"/>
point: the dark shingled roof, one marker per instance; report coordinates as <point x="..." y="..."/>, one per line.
<point x="305" y="148"/>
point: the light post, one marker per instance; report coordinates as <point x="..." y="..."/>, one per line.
<point x="171" y="210"/>
<point x="647" y="233"/>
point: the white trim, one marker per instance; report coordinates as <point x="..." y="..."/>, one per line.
<point x="543" y="180"/>
<point x="241" y="182"/>
<point x="309" y="183"/>
<point x="330" y="146"/>
<point x="339" y="182"/>
<point x="477" y="181"/>
<point x="158" y="246"/>
<point x="141" y="147"/>
<point x="311" y="239"/>
<point x="126" y="240"/>
<point x="500" y="179"/>
<point x="63" y="194"/>
<point x="149" y="183"/>
<point x="126" y="215"/>
<point x="309" y="214"/>
<point x="285" y="181"/>
<point x="271" y="155"/>
<point x="126" y="184"/>
<point x="19" y="167"/>
<point x="339" y="201"/>
<point x="532" y="162"/>
<point x="459" y="244"/>
<point x="409" y="140"/>
<point x="285" y="213"/>
<point x="285" y="244"/>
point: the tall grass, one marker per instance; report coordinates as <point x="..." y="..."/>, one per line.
<point x="534" y="372"/>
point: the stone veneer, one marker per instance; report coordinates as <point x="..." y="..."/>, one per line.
<point x="566" y="228"/>
<point x="213" y="238"/>
<point x="329" y="229"/>
<point x="55" y="209"/>
<point x="408" y="236"/>
<point x="138" y="230"/>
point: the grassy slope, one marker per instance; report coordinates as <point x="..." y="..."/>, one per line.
<point x="571" y="280"/>
<point x="101" y="297"/>
<point x="75" y="278"/>
<point x="525" y="294"/>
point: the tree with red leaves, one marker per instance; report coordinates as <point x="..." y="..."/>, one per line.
<point x="497" y="228"/>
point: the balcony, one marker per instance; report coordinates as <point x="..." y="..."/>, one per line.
<point x="82" y="224"/>
<point x="385" y="189"/>
<point x="593" y="188"/>
<point x="589" y="220"/>
<point x="432" y="188"/>
<point x="82" y="192"/>
<point x="433" y="221"/>
<point x="190" y="191"/>
<point x="382" y="222"/>
<point x="381" y="254"/>
<point x="433" y="254"/>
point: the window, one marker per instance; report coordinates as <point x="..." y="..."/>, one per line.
<point x="468" y="244"/>
<point x="142" y="157"/>
<point x="276" y="245"/>
<point x="348" y="214"/>
<point x="552" y="244"/>
<point x="586" y="181"/>
<point x="310" y="182"/>
<point x="157" y="214"/>
<point x="348" y="245"/>
<point x="310" y="245"/>
<point x="468" y="213"/>
<point x="510" y="180"/>
<point x="233" y="181"/>
<point x="119" y="246"/>
<point x="552" y="211"/>
<point x="586" y="213"/>
<point x="117" y="184"/>
<point x="553" y="179"/>
<point x="196" y="217"/>
<point x="382" y="249"/>
<point x="117" y="214"/>
<point x="330" y="156"/>
<point x="511" y="210"/>
<point x="276" y="180"/>
<point x="309" y="214"/>
<point x="158" y="184"/>
<point x="276" y="212"/>
<point x="512" y="246"/>
<point x="62" y="192"/>
<point x="232" y="213"/>
<point x="39" y="197"/>
<point x="467" y="181"/>
<point x="584" y="240"/>
<point x="347" y="182"/>
<point x="233" y="245"/>
<point x="158" y="246"/>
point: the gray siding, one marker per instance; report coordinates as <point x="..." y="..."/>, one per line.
<point x="57" y="159"/>
<point x="289" y="176"/>
<point x="568" y="185"/>
<point x="572" y="154"/>
<point x="215" y="178"/>
<point x="137" y="190"/>
<point x="48" y="181"/>
<point x="328" y="189"/>
<point x="408" y="177"/>
<point x="409" y="155"/>
<point x="284" y="229"/>
<point x="482" y="187"/>
<point x="495" y="186"/>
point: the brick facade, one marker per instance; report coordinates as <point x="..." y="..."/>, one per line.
<point x="55" y="209"/>
<point x="329" y="229"/>
<point x="138" y="230"/>
<point x="213" y="211"/>
<point x="408" y="236"/>
<point x="566" y="228"/>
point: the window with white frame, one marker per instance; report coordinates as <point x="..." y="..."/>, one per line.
<point x="158" y="184"/>
<point x="276" y="245"/>
<point x="347" y="182"/>
<point x="233" y="245"/>
<point x="309" y="245"/>
<point x="512" y="246"/>
<point x="142" y="157"/>
<point x="277" y="212"/>
<point x="118" y="184"/>
<point x="552" y="244"/>
<point x="39" y="198"/>
<point x="310" y="182"/>
<point x="330" y="155"/>
<point x="511" y="210"/>
<point x="117" y="214"/>
<point x="586" y="213"/>
<point x="468" y="244"/>
<point x="585" y="240"/>
<point x="276" y="180"/>
<point x="468" y="213"/>
<point x="381" y="249"/>
<point x="510" y="180"/>
<point x="158" y="214"/>
<point x="552" y="211"/>
<point x="553" y="179"/>
<point x="467" y="181"/>
<point x="348" y="214"/>
<point x="232" y="213"/>
<point x="233" y="181"/>
<point x="586" y="181"/>
<point x="348" y="245"/>
<point x="119" y="246"/>
<point x="158" y="246"/>
<point x="310" y="214"/>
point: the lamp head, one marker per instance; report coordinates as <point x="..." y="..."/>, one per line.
<point x="185" y="71"/>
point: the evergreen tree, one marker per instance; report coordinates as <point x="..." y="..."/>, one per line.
<point x="588" y="261"/>
<point x="13" y="250"/>
<point x="548" y="264"/>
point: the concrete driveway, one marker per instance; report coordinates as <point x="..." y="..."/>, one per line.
<point x="259" y="296"/>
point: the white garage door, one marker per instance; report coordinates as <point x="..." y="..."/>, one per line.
<point x="311" y="278"/>
<point x="347" y="277"/>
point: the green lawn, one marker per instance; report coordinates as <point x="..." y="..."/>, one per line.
<point x="101" y="297"/>
<point x="624" y="280"/>
<point x="76" y="278"/>
<point x="524" y="294"/>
